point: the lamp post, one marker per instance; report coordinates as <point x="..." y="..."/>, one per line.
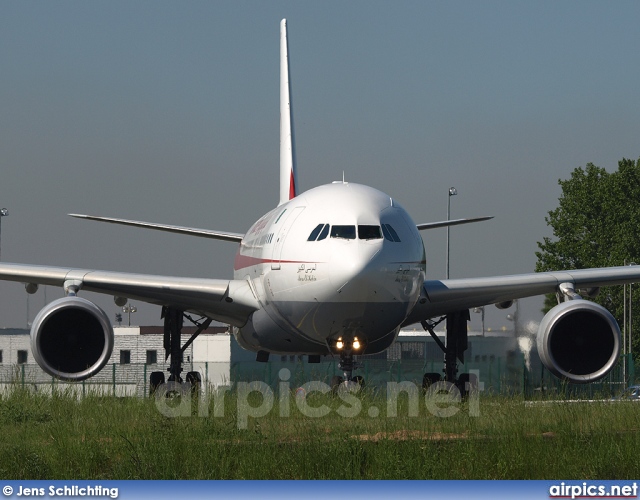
<point x="452" y="192"/>
<point x="627" y="328"/>
<point x="515" y="317"/>
<point x="481" y="311"/>
<point x="3" y="213"/>
<point x="129" y="308"/>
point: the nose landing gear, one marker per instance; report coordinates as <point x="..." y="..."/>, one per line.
<point x="347" y="348"/>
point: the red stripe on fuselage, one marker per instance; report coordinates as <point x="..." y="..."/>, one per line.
<point x="244" y="261"/>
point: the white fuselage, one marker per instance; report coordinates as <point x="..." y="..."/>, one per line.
<point x="340" y="260"/>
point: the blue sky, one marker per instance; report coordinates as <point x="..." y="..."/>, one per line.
<point x="168" y="112"/>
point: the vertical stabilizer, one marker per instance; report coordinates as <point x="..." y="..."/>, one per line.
<point x="288" y="174"/>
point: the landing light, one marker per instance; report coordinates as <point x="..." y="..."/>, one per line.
<point x="349" y="344"/>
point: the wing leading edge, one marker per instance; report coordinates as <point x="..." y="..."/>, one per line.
<point x="192" y="231"/>
<point x="440" y="297"/>
<point x="451" y="222"/>
<point x="228" y="301"/>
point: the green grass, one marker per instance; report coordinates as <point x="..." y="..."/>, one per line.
<point x="62" y="437"/>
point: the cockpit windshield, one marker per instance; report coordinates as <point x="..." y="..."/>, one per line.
<point x="364" y="232"/>
<point x="369" y="232"/>
<point x="320" y="232"/>
<point x="390" y="233"/>
<point x="346" y="232"/>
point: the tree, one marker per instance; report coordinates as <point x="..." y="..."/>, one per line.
<point x="597" y="224"/>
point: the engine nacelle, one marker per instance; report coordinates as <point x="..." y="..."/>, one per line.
<point x="579" y="341"/>
<point x="71" y="339"/>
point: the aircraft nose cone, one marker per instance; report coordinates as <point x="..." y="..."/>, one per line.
<point x="351" y="264"/>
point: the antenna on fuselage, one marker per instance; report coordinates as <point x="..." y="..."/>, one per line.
<point x="288" y="173"/>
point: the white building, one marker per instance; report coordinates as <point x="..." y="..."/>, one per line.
<point x="137" y="352"/>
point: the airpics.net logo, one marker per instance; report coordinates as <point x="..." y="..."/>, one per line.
<point x="257" y="399"/>
<point x="586" y="490"/>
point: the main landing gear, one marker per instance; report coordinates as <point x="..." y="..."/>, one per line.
<point x="173" y="323"/>
<point x="456" y="344"/>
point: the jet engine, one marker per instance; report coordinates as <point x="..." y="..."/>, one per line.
<point x="71" y="338"/>
<point x="579" y="341"/>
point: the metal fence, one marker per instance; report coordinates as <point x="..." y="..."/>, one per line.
<point x="512" y="375"/>
<point x="508" y="376"/>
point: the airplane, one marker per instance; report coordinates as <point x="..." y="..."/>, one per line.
<point x="335" y="271"/>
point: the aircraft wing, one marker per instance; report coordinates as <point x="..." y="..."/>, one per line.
<point x="440" y="297"/>
<point x="228" y="301"/>
<point x="451" y="222"/>
<point x="192" y="231"/>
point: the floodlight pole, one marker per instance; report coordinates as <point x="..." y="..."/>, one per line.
<point x="481" y="311"/>
<point x="129" y="308"/>
<point x="629" y="346"/>
<point x="452" y="192"/>
<point x="627" y="350"/>
<point x="3" y="213"/>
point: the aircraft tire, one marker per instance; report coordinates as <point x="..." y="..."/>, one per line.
<point x="469" y="378"/>
<point x="156" y="379"/>
<point x="195" y="380"/>
<point x="335" y="382"/>
<point x="429" y="379"/>
<point x="359" y="379"/>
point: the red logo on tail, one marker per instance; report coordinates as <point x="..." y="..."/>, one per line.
<point x="292" y="187"/>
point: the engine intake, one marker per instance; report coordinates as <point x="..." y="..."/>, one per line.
<point x="579" y="341"/>
<point x="71" y="339"/>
